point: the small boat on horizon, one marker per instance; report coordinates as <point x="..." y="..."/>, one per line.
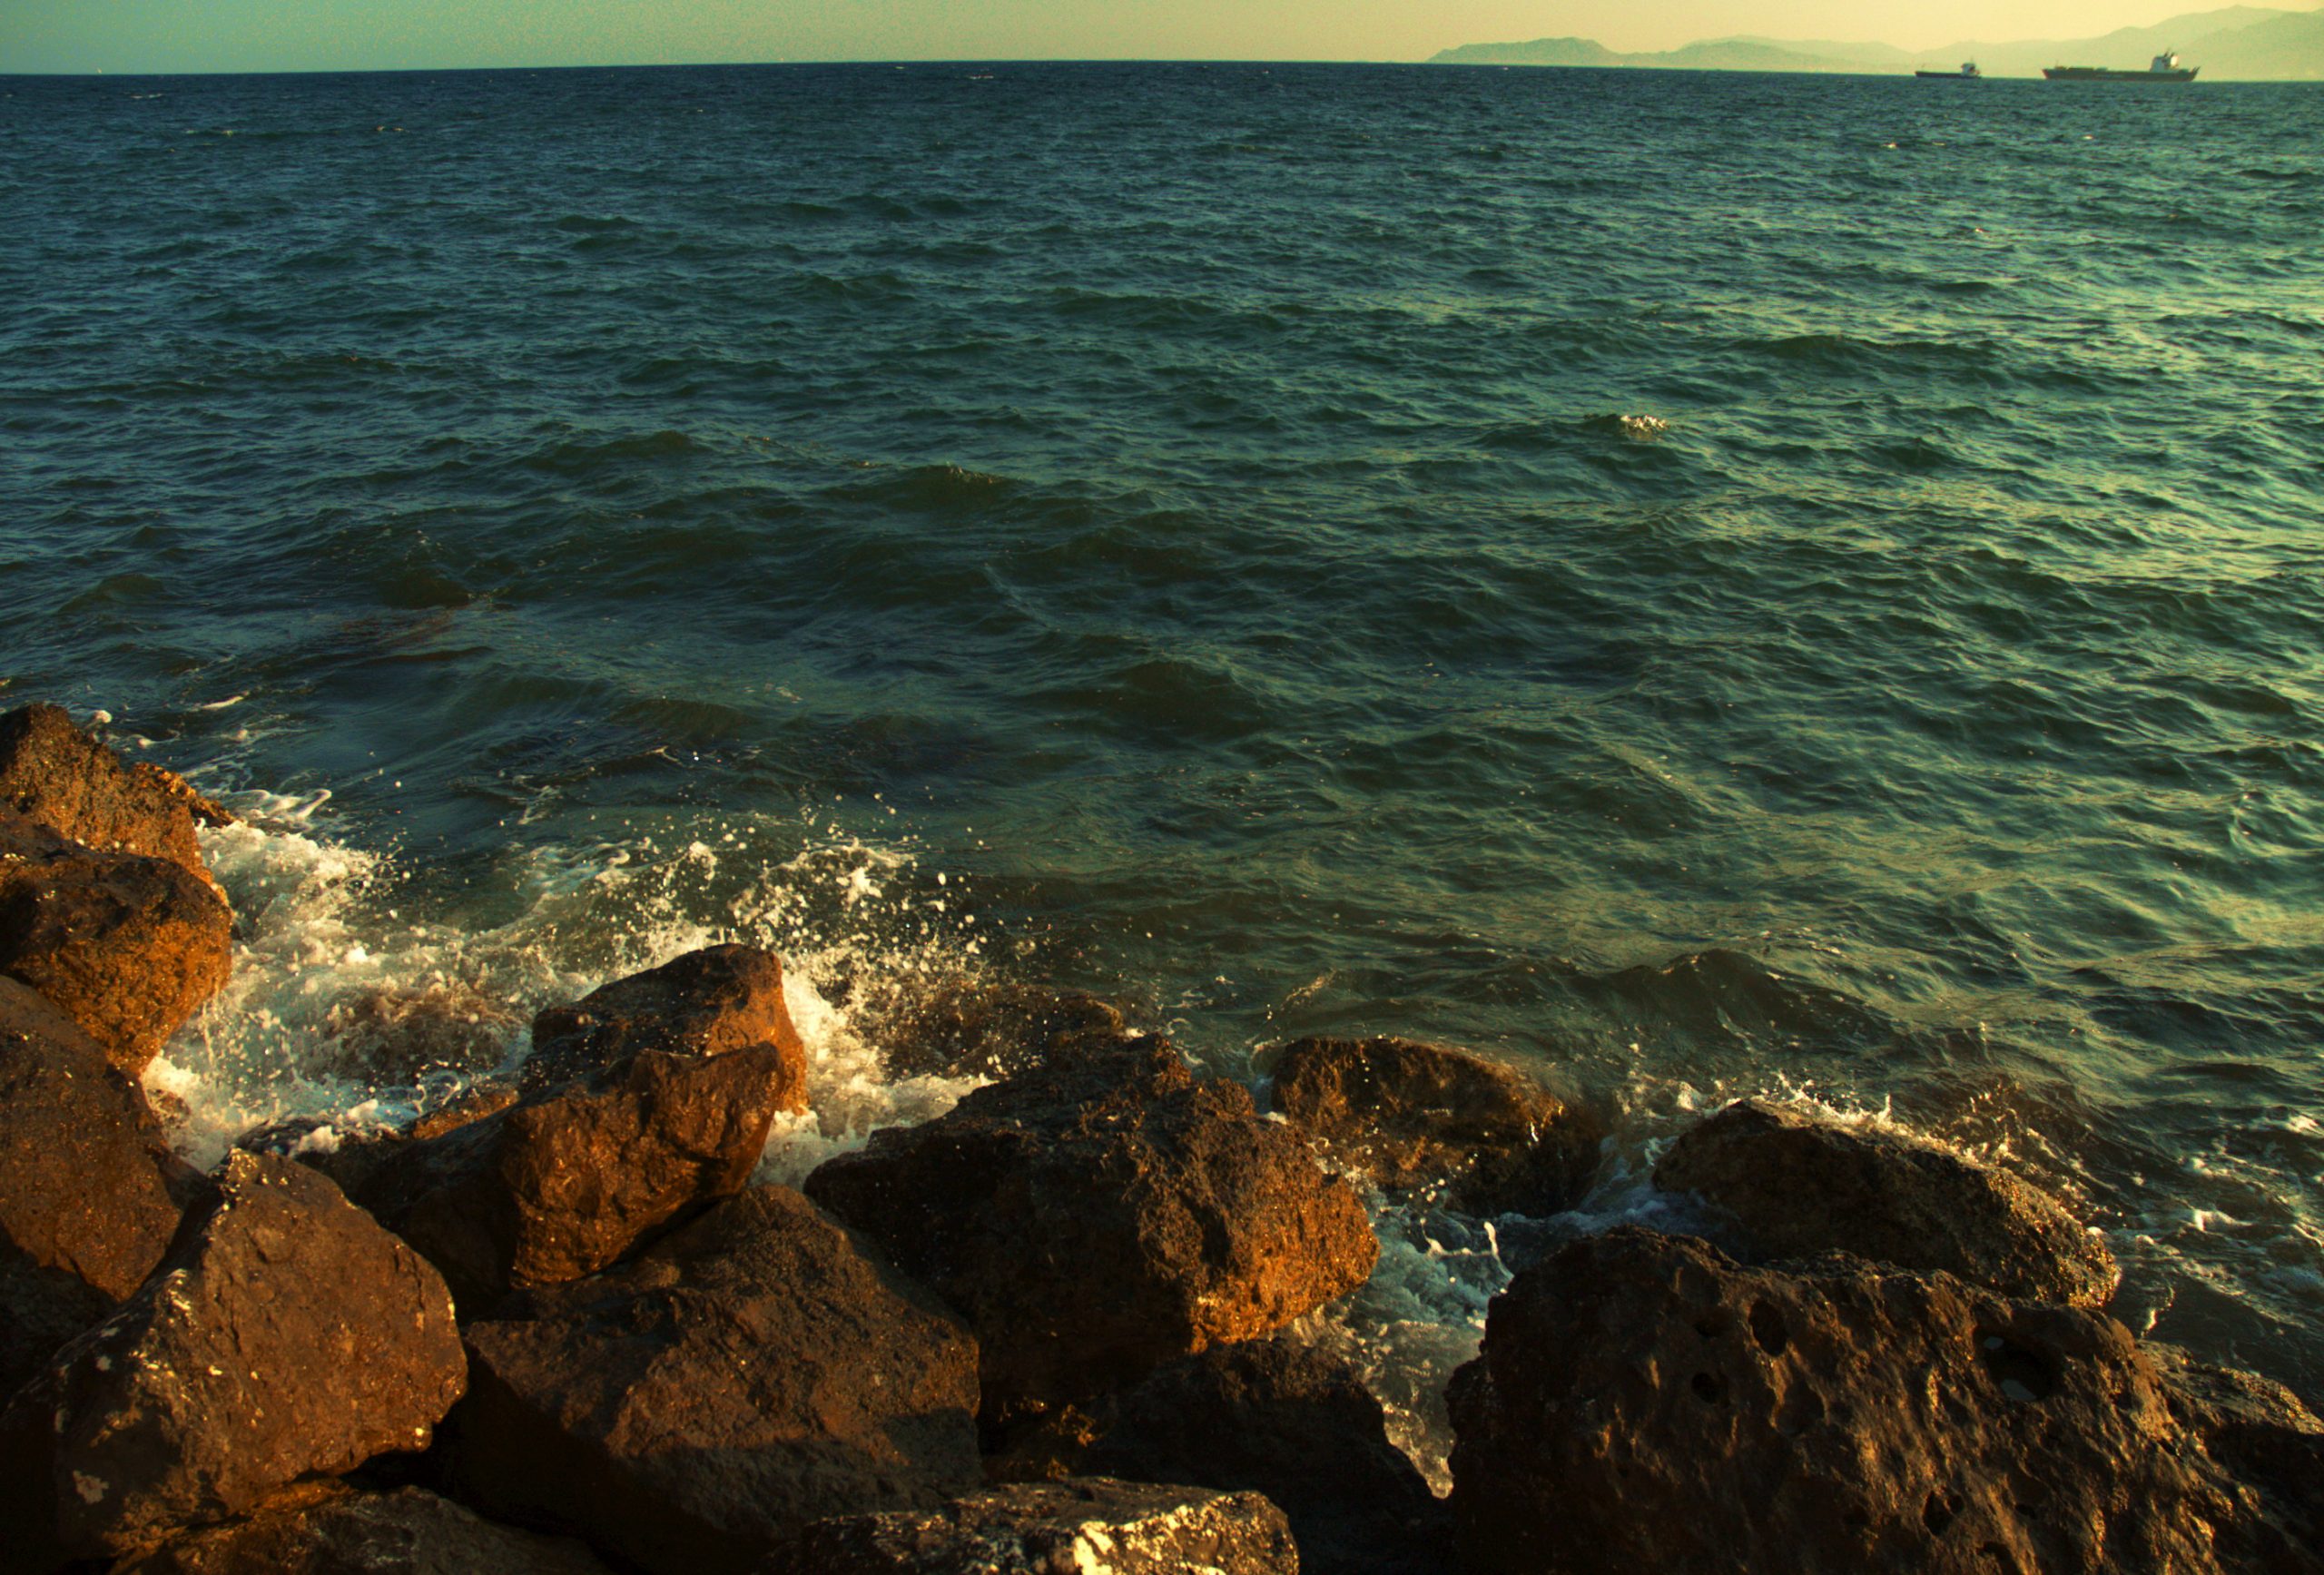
<point x="2166" y="68"/>
<point x="1968" y="72"/>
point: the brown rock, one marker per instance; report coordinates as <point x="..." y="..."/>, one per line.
<point x="1643" y="1403"/>
<point x="1799" y="1186"/>
<point x="385" y="1036"/>
<point x="284" y="1335"/>
<point x="408" y="1531"/>
<point x="1102" y="1215"/>
<point x="704" y="1003"/>
<point x="1093" y="1527"/>
<point x="86" y="1212"/>
<point x="757" y="1370"/>
<point x="1409" y="1114"/>
<point x="53" y="773"/>
<point x="1280" y="1418"/>
<point x="993" y="1031"/>
<point x="126" y="946"/>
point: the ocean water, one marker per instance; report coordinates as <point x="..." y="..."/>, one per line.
<point x="1691" y="584"/>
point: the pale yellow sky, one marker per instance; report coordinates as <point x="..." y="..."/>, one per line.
<point x="124" y="36"/>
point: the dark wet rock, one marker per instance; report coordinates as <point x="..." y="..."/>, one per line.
<point x="1799" y="1185"/>
<point x="124" y="945"/>
<point x="753" y="1372"/>
<point x="648" y="1123"/>
<point x="1102" y="1215"/>
<point x="85" y="1208"/>
<point x="1413" y="1115"/>
<point x="1280" y="1418"/>
<point x="408" y="1531"/>
<point x="284" y="1335"/>
<point x="388" y="1037"/>
<point x="1644" y="1402"/>
<point x="1070" y="1527"/>
<point x="990" y="1030"/>
<point x="53" y="773"/>
<point x="709" y="1003"/>
<point x="352" y="1155"/>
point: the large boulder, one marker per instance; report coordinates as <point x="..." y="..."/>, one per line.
<point x="638" y="1126"/>
<point x="1102" y="1215"/>
<point x="53" y="773"/>
<point x="284" y="1335"/>
<point x="1278" y="1417"/>
<point x="1799" y="1184"/>
<point x="1093" y="1527"/>
<point x="85" y="1211"/>
<point x="125" y="945"/>
<point x="408" y="1531"/>
<point x="753" y="1372"/>
<point x="1411" y="1115"/>
<point x="704" y="1003"/>
<point x="1642" y="1403"/>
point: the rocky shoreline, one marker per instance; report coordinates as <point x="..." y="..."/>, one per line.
<point x="554" y="1325"/>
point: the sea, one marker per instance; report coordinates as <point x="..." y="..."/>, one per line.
<point x="1688" y="585"/>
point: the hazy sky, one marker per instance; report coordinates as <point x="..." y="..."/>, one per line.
<point x="124" y="36"/>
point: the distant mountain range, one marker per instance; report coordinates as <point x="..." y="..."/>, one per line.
<point x="2243" y="43"/>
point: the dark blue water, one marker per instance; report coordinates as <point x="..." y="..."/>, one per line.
<point x="1691" y="584"/>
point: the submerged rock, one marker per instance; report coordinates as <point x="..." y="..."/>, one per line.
<point x="1643" y="1403"/>
<point x="993" y="1031"/>
<point x="124" y="945"/>
<point x="57" y="775"/>
<point x="1799" y="1185"/>
<point x="284" y="1335"/>
<point x="1407" y="1115"/>
<point x="85" y="1210"/>
<point x="754" y="1372"/>
<point x="570" y="1175"/>
<point x="1280" y="1418"/>
<point x="384" y="1036"/>
<point x="1093" y="1527"/>
<point x="1102" y="1215"/>
<point x="408" y="1531"/>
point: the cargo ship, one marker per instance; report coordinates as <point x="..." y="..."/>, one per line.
<point x="1968" y="72"/>
<point x="2166" y="68"/>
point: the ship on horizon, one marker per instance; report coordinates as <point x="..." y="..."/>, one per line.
<point x="1968" y="72"/>
<point x="2166" y="68"/>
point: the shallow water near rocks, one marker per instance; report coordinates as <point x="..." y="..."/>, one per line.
<point x="1691" y="585"/>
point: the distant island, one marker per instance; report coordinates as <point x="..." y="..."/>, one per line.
<point x="2242" y="43"/>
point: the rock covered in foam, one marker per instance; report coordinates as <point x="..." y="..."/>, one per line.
<point x="383" y="1035"/>
<point x="994" y="1030"/>
<point x="1408" y="1113"/>
<point x="408" y="1531"/>
<point x="639" y="1124"/>
<point x="1102" y="1215"/>
<point x="57" y="775"/>
<point x="704" y="1003"/>
<point x="757" y="1370"/>
<point x="1088" y="1527"/>
<point x="86" y="1212"/>
<point x="1280" y="1418"/>
<point x="1642" y="1401"/>
<point x="1801" y="1186"/>
<point x="125" y="945"/>
<point x="284" y="1335"/>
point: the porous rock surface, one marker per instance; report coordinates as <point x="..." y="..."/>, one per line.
<point x="570" y="1175"/>
<point x="1407" y="1114"/>
<point x="704" y="1003"/>
<point x="1280" y="1418"/>
<point x="755" y="1370"/>
<point x="85" y="1210"/>
<point x="1102" y="1215"/>
<point x="407" y="1532"/>
<point x="1643" y="1403"/>
<point x="285" y="1334"/>
<point x="1090" y="1527"/>
<point x="125" y="945"/>
<point x="1798" y="1185"/>
<point x="53" y="773"/>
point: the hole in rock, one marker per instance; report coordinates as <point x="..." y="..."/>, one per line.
<point x="1767" y="1328"/>
<point x="1708" y="1388"/>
